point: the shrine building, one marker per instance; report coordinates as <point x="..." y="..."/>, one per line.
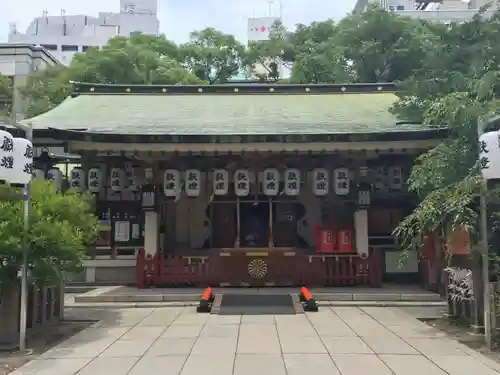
<point x="247" y="184"/>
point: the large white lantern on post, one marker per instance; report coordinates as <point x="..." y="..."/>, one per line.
<point x="6" y="156"/>
<point x="55" y="175"/>
<point x="489" y="153"/>
<point x="22" y="172"/>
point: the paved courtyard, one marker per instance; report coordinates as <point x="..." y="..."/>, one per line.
<point x="333" y="341"/>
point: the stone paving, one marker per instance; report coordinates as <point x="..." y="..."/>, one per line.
<point x="333" y="341"/>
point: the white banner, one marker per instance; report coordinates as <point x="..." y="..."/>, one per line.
<point x="242" y="183"/>
<point x="220" y="182"/>
<point x="292" y="182"/>
<point x="271" y="183"/>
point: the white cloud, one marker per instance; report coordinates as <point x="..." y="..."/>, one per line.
<point x="179" y="17"/>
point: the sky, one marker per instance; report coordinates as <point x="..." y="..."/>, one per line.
<point x="179" y="17"/>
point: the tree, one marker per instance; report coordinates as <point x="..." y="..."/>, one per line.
<point x="457" y="86"/>
<point x="138" y="59"/>
<point x="60" y="228"/>
<point x="264" y="58"/>
<point x="6" y="94"/>
<point x="212" y="56"/>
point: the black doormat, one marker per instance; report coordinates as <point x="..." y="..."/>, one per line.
<point x="257" y="304"/>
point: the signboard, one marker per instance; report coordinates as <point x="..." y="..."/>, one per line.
<point x="259" y="28"/>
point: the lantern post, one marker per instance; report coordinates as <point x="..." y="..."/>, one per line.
<point x="483" y="209"/>
<point x="23" y="308"/>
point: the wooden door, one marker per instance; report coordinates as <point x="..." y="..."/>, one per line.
<point x="223" y="224"/>
<point x="285" y="224"/>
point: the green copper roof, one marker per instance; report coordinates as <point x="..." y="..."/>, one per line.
<point x="234" y="110"/>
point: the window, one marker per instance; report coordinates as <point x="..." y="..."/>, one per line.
<point x="400" y="7"/>
<point x="69" y="48"/>
<point x="49" y="47"/>
<point x="85" y="48"/>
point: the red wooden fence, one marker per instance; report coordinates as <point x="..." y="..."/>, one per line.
<point x="301" y="269"/>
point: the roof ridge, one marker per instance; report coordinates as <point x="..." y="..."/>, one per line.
<point x="231" y="88"/>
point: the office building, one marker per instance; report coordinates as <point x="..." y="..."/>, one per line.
<point x="64" y="35"/>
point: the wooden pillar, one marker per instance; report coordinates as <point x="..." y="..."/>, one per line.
<point x="271" y="233"/>
<point x="237" y="242"/>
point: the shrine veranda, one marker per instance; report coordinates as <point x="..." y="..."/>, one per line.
<point x="233" y="184"/>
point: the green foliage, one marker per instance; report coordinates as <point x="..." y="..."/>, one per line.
<point x="457" y="86"/>
<point x="6" y="94"/>
<point x="60" y="227"/>
<point x="212" y="56"/>
<point x="138" y="59"/>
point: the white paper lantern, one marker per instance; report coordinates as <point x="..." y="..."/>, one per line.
<point x="171" y="183"/>
<point x="220" y="182"/>
<point x="39" y="174"/>
<point x="6" y="156"/>
<point x="117" y="177"/>
<point x="395" y="177"/>
<point x="23" y="162"/>
<point x="55" y="175"/>
<point x="94" y="180"/>
<point x="292" y="182"/>
<point x="131" y="179"/>
<point x="241" y="183"/>
<point x="320" y="181"/>
<point x="193" y="182"/>
<point x="341" y="180"/>
<point x="77" y="179"/>
<point x="489" y="152"/>
<point x="271" y="183"/>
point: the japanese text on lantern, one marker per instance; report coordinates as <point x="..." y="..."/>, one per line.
<point x="242" y="183"/>
<point x="320" y="186"/>
<point x="292" y="182"/>
<point x="193" y="183"/>
<point x="220" y="182"/>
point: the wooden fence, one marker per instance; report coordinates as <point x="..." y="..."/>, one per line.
<point x="273" y="270"/>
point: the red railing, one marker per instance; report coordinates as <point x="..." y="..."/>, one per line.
<point x="301" y="269"/>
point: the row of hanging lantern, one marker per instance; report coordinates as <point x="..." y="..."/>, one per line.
<point x="126" y="178"/>
<point x="271" y="181"/>
<point x="16" y="159"/>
